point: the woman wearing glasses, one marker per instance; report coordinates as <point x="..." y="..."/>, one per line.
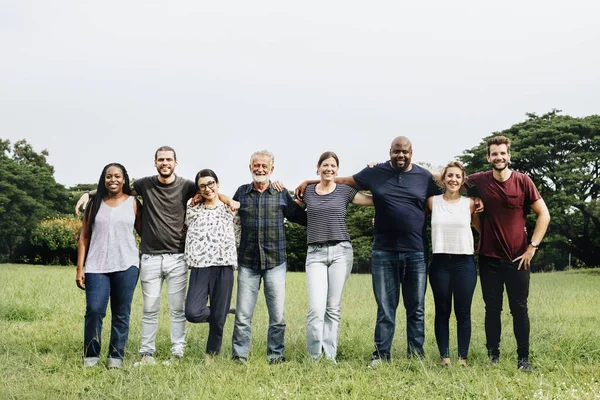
<point x="211" y="254"/>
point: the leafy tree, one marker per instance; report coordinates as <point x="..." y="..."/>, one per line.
<point x="560" y="154"/>
<point x="28" y="193"/>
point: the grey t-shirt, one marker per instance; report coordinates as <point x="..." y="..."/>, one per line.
<point x="163" y="213"/>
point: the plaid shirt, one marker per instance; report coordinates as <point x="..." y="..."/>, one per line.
<point x="262" y="245"/>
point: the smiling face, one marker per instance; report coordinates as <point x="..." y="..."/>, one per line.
<point x="113" y="180"/>
<point x="261" y="168"/>
<point x="165" y="163"/>
<point x="453" y="179"/>
<point x="328" y="169"/>
<point x="401" y="154"/>
<point x="498" y="156"/>
<point x="208" y="187"/>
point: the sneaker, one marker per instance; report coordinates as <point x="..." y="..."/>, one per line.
<point x="462" y="362"/>
<point x="114" y="362"/>
<point x="277" y="360"/>
<point x="240" y="360"/>
<point x="525" y="366"/>
<point x="209" y="359"/>
<point x="147" y="359"/>
<point x="376" y="362"/>
<point x="89" y="362"/>
<point x="446" y="362"/>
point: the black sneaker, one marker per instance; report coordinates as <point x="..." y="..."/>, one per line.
<point x="525" y="366"/>
<point x="277" y="360"/>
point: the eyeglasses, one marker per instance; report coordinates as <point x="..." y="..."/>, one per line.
<point x="209" y="185"/>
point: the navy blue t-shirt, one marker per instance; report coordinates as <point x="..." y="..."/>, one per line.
<point x="399" y="199"/>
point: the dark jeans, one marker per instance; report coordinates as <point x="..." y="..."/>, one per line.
<point x="119" y="287"/>
<point x="453" y="275"/>
<point x="495" y="273"/>
<point x="216" y="283"/>
<point x="390" y="271"/>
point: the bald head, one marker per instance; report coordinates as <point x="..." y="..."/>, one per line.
<point x="401" y="154"/>
<point x="401" y="140"/>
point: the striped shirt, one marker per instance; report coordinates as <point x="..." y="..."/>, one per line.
<point x="262" y="244"/>
<point x="326" y="214"/>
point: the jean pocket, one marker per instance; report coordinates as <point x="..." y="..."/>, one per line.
<point x="346" y="245"/>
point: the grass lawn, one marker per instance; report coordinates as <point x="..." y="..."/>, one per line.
<point x="41" y="335"/>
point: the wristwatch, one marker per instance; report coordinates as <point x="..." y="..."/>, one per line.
<point x="535" y="245"/>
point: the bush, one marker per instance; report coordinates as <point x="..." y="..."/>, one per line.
<point x="56" y="239"/>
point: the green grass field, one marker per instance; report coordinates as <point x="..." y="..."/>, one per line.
<point x="41" y="334"/>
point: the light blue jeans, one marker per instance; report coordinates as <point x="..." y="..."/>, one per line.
<point x="328" y="266"/>
<point x="247" y="293"/>
<point x="154" y="270"/>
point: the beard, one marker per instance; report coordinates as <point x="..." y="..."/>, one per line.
<point x="165" y="175"/>
<point x="260" y="178"/>
<point x="501" y="166"/>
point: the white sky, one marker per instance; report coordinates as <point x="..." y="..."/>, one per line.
<point x="100" y="81"/>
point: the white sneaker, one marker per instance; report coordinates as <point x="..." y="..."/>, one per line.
<point x="114" y="362"/>
<point x="146" y="360"/>
<point x="175" y="357"/>
<point x="89" y="362"/>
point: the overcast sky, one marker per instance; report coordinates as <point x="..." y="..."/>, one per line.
<point x="100" y="81"/>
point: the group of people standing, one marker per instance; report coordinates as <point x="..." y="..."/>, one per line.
<point x="247" y="232"/>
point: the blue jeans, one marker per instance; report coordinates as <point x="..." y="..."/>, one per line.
<point x="328" y="266"/>
<point x="119" y="287"/>
<point x="247" y="293"/>
<point x="453" y="276"/>
<point x="390" y="271"/>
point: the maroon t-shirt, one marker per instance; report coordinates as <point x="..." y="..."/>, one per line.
<point x="503" y="219"/>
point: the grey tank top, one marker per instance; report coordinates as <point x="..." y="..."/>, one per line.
<point x="112" y="245"/>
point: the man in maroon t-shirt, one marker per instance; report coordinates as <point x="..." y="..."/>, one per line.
<point x="504" y="250"/>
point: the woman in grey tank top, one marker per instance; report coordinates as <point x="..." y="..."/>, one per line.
<point x="108" y="263"/>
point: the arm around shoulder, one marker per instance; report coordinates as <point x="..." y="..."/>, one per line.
<point x="362" y="199"/>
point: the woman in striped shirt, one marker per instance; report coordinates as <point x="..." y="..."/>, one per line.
<point x="329" y="257"/>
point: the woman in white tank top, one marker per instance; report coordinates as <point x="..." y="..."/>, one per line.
<point x="452" y="272"/>
<point x="109" y="252"/>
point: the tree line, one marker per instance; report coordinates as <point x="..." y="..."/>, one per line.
<point x="559" y="152"/>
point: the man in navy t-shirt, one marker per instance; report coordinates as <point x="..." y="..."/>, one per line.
<point x="399" y="190"/>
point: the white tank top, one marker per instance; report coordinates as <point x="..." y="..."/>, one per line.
<point x="451" y="226"/>
<point x="112" y="246"/>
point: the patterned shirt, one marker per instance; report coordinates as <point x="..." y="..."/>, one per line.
<point x="262" y="244"/>
<point x="211" y="236"/>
